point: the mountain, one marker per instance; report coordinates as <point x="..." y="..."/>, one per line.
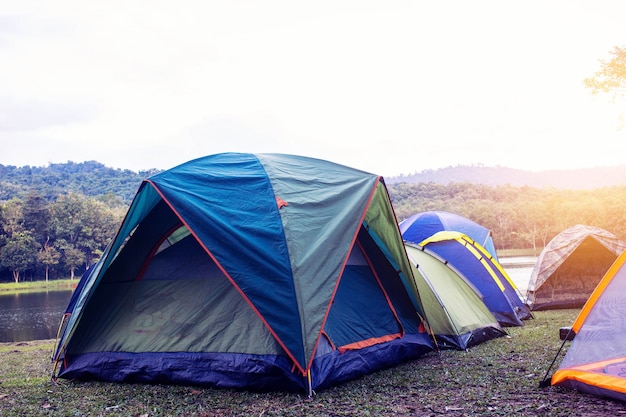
<point x="92" y="178"/>
<point x="89" y="178"/>
<point x="588" y="178"/>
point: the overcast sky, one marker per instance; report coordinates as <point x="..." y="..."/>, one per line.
<point x="389" y="87"/>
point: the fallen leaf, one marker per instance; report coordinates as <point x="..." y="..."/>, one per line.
<point x="453" y="408"/>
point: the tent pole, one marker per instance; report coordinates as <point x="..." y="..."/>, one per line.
<point x="545" y="382"/>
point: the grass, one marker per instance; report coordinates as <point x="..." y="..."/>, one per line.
<point x="36" y="286"/>
<point x="496" y="378"/>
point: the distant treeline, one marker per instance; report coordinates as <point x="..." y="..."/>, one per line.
<point x="56" y="221"/>
<point x="90" y="178"/>
<point x="41" y="239"/>
<point x="519" y="217"/>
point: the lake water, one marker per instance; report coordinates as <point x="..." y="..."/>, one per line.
<point x="519" y="269"/>
<point x="36" y="316"/>
<point x="31" y="316"/>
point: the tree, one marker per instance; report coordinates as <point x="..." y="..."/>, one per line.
<point x="12" y="216"/>
<point x="68" y="217"/>
<point x="99" y="226"/>
<point x="37" y="218"/>
<point x="48" y="256"/>
<point x="611" y="78"/>
<point x="83" y="223"/>
<point x="19" y="254"/>
<point x="73" y="258"/>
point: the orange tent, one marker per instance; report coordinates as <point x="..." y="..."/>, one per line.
<point x="595" y="362"/>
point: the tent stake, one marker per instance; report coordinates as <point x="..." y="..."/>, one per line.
<point x="308" y="377"/>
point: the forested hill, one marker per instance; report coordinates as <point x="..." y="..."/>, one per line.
<point x="580" y="179"/>
<point x="89" y="178"/>
<point x="93" y="179"/>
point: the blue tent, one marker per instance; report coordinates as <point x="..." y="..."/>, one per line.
<point x="260" y="271"/>
<point x="422" y="225"/>
<point x="474" y="262"/>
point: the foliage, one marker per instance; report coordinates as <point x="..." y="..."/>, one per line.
<point x="611" y="78"/>
<point x="19" y="253"/>
<point x="48" y="256"/>
<point x="54" y="238"/>
<point x="73" y="259"/>
<point x="89" y="178"/>
<point x="519" y="217"/>
<point x="71" y="210"/>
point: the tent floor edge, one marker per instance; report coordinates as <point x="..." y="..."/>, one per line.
<point x="260" y="373"/>
<point x="334" y="367"/>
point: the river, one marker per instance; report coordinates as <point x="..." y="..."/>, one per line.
<point x="519" y="268"/>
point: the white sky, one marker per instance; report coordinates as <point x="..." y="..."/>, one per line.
<point x="389" y="87"/>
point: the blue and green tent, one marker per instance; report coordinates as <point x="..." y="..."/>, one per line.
<point x="256" y="271"/>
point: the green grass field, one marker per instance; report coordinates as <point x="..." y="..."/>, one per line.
<point x="31" y="286"/>
<point x="497" y="378"/>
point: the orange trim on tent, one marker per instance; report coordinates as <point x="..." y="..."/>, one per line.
<point x="369" y="342"/>
<point x="598" y="291"/>
<point x="604" y="381"/>
<point x="330" y="342"/>
<point x="281" y="203"/>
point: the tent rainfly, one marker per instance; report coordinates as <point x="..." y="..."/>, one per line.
<point x="254" y="271"/>
<point x="453" y="306"/>
<point x="595" y="362"/>
<point x="422" y="225"/>
<point x="499" y="292"/>
<point x="570" y="266"/>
